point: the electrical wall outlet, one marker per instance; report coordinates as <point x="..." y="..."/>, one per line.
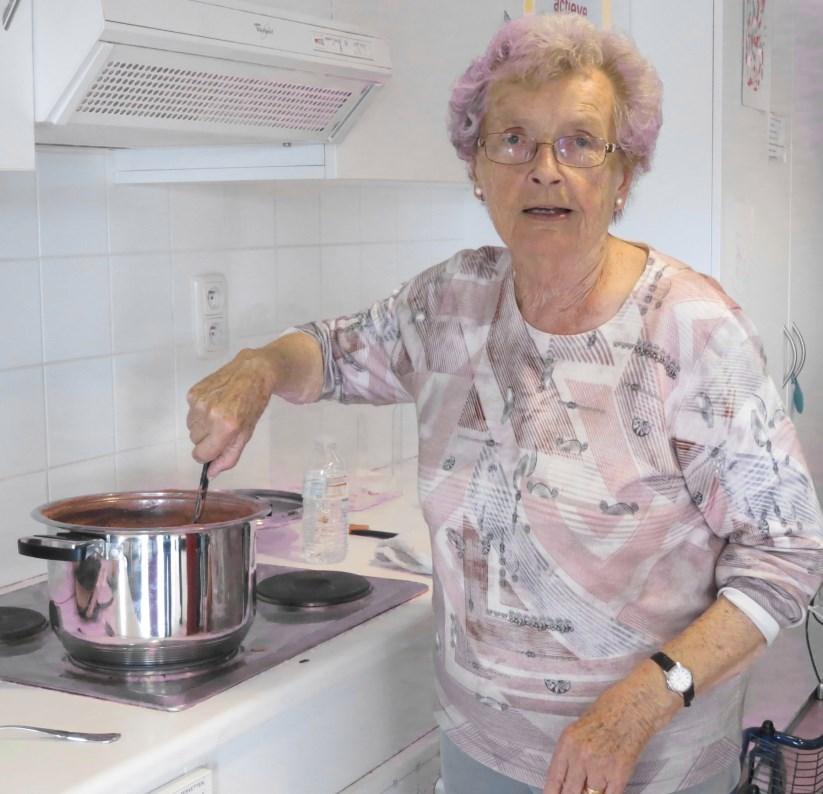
<point x="211" y="294"/>
<point x="215" y="334"/>
<point x="211" y="310"/>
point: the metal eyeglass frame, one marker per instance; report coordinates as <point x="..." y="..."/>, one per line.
<point x="608" y="148"/>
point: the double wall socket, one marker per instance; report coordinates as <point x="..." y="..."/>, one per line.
<point x="211" y="314"/>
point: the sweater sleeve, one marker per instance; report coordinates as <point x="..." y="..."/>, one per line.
<point x="364" y="356"/>
<point x="745" y="470"/>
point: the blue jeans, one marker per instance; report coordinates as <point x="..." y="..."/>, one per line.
<point x="461" y="774"/>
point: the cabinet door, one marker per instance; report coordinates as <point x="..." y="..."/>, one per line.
<point x="16" y="90"/>
<point x="806" y="225"/>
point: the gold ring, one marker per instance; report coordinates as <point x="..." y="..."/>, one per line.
<point x="590" y="790"/>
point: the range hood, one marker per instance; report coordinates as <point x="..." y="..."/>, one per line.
<point x="143" y="73"/>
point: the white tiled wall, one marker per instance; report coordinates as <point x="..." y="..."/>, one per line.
<point x="97" y="348"/>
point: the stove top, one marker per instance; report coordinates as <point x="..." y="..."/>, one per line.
<point x="277" y="633"/>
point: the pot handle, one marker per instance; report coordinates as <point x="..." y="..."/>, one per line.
<point x="60" y="547"/>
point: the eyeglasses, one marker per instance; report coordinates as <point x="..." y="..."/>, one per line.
<point x="577" y="151"/>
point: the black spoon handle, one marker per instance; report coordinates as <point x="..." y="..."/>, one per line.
<point x="201" y="493"/>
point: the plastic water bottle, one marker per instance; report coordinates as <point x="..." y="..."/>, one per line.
<point x="325" y="506"/>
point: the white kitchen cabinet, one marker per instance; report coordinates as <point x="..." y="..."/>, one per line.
<point x="16" y="89"/>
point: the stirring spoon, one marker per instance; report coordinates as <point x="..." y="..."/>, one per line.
<point x="201" y="493"/>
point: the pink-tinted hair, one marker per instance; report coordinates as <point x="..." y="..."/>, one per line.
<point x="536" y="48"/>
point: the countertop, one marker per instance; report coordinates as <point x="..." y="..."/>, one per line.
<point x="365" y="695"/>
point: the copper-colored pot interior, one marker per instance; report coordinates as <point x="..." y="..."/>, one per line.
<point x="158" y="510"/>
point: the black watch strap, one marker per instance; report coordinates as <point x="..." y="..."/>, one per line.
<point x="666" y="663"/>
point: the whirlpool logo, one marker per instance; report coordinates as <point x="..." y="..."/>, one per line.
<point x="263" y="29"/>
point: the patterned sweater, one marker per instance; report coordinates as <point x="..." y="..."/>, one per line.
<point x="588" y="495"/>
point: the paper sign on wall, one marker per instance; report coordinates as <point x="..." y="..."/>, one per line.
<point x="590" y="9"/>
<point x="757" y="56"/>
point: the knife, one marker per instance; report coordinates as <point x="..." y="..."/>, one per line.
<point x="364" y="532"/>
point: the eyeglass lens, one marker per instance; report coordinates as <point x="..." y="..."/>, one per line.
<point x="580" y="151"/>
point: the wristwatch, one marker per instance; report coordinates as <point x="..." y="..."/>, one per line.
<point x="678" y="678"/>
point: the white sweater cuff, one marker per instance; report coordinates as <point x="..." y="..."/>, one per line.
<point x="768" y="626"/>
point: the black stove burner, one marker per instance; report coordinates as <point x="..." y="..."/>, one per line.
<point x="17" y="623"/>
<point x="313" y="588"/>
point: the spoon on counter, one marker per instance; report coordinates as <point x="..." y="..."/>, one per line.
<point x="201" y="494"/>
<point x="71" y="736"/>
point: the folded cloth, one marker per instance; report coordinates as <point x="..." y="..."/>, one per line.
<point x="395" y="553"/>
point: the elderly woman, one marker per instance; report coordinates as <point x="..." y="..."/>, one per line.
<point x="620" y="512"/>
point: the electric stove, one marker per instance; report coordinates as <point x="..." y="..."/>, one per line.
<point x="282" y="629"/>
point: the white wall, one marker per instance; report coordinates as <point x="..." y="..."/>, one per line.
<point x="756" y="191"/>
<point x="806" y="211"/>
<point x="671" y="207"/>
<point x="98" y="349"/>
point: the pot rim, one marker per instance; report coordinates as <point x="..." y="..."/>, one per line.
<point x="58" y="513"/>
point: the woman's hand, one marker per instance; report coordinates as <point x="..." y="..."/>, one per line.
<point x="225" y="407"/>
<point x="599" y="751"/>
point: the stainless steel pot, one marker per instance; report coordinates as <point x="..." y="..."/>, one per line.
<point x="133" y="583"/>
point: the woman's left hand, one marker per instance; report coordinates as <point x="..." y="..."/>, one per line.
<point x="597" y="753"/>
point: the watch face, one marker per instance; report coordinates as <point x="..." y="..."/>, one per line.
<point x="679" y="678"/>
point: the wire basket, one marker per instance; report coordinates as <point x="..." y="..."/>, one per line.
<point x="778" y="763"/>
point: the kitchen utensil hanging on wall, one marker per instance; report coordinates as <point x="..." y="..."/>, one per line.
<point x="798" y="347"/>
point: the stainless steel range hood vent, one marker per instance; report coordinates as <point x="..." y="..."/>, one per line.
<point x="182" y="72"/>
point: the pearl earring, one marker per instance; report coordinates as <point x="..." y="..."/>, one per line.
<point x="619" y="202"/>
<point x="478" y="193"/>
